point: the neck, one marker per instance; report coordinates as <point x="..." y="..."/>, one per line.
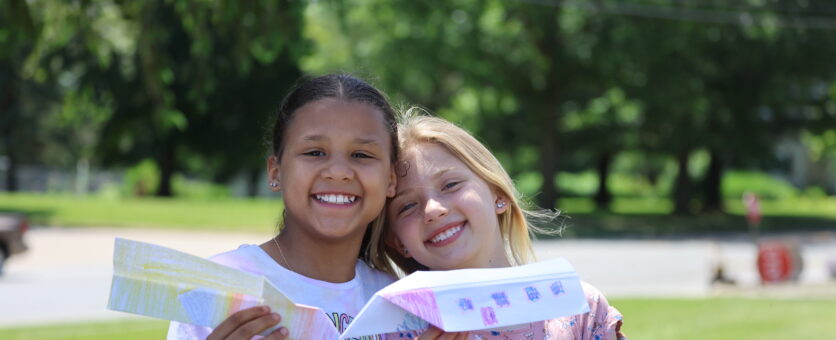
<point x="322" y="260"/>
<point x="493" y="259"/>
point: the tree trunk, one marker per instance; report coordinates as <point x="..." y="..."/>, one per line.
<point x="8" y="103"/>
<point x="713" y="184"/>
<point x="603" y="197"/>
<point x="82" y="176"/>
<point x="167" y="168"/>
<point x="682" y="188"/>
<point x="253" y="178"/>
<point x="11" y="170"/>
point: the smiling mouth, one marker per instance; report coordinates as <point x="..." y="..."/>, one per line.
<point x="446" y="235"/>
<point x="335" y="198"/>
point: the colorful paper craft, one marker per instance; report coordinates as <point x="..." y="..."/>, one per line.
<point x="472" y="299"/>
<point x="160" y="282"/>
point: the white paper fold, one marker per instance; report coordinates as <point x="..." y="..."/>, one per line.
<point x="473" y="299"/>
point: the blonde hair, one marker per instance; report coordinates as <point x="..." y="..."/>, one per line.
<point x="416" y="127"/>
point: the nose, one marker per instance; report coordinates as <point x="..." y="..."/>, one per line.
<point x="433" y="211"/>
<point x="338" y="170"/>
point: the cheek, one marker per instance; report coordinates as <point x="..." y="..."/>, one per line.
<point x="405" y="231"/>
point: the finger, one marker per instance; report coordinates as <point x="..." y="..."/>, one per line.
<point x="430" y="334"/>
<point x="448" y="336"/>
<point x="236" y="320"/>
<point x="255" y="326"/>
<point x="280" y="333"/>
<point x="462" y="336"/>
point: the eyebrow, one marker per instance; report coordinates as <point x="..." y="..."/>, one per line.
<point x="361" y="141"/>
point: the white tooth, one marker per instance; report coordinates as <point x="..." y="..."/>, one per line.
<point x="341" y="199"/>
<point x="332" y="198"/>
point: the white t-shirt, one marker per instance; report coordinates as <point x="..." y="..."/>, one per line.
<point x="340" y="301"/>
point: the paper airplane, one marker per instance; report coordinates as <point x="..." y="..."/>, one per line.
<point x="160" y="282"/>
<point x="472" y="299"/>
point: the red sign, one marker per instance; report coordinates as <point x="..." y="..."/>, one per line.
<point x="775" y="262"/>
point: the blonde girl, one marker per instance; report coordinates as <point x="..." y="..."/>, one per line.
<point x="456" y="207"/>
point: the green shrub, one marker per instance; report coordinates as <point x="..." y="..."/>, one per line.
<point x="735" y="183"/>
<point x="142" y="179"/>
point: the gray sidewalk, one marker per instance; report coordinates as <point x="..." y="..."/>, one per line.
<point x="65" y="277"/>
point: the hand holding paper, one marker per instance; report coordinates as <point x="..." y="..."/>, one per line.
<point x="473" y="299"/>
<point x="156" y="281"/>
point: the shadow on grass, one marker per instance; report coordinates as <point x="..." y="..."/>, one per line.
<point x="604" y="225"/>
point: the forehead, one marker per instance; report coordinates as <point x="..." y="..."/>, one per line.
<point x="422" y="161"/>
<point x="331" y="117"/>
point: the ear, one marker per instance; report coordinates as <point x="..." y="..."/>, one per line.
<point x="395" y="243"/>
<point x="393" y="183"/>
<point x="273" y="172"/>
<point x="501" y="204"/>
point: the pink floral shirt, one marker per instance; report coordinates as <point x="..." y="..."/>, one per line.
<point x="603" y="322"/>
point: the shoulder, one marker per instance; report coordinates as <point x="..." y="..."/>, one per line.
<point x="372" y="278"/>
<point x="593" y="295"/>
<point x="244" y="257"/>
<point x="601" y="322"/>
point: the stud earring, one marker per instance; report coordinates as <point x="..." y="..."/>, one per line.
<point x="274" y="184"/>
<point x="500" y="204"/>
<point x="405" y="251"/>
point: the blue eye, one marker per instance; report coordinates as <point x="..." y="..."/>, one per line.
<point x="450" y="185"/>
<point x="406" y="207"/>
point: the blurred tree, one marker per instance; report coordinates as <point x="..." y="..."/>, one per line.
<point x="506" y="67"/>
<point x="192" y="82"/>
<point x="19" y="33"/>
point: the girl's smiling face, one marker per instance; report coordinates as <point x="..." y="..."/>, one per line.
<point x="335" y="170"/>
<point x="444" y="214"/>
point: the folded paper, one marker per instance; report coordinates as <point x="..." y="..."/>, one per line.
<point x="472" y="299"/>
<point x="160" y="282"/>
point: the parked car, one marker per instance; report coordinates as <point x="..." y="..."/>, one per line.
<point x="12" y="228"/>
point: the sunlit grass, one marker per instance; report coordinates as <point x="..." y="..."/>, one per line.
<point x="727" y="318"/>
<point x="647" y="319"/>
<point x="140" y="329"/>
<point x="645" y="216"/>
<point x="216" y="214"/>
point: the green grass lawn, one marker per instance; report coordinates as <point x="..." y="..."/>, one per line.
<point x="217" y="214"/>
<point x="646" y="319"/>
<point x="630" y="217"/>
<point x="727" y="318"/>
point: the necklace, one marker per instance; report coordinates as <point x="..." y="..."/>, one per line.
<point x="282" y="254"/>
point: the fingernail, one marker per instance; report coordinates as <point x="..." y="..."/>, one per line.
<point x="283" y="331"/>
<point x="265" y="309"/>
<point x="275" y="317"/>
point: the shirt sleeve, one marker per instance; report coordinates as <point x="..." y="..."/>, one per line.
<point x="603" y="322"/>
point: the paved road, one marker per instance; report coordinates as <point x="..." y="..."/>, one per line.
<point x="65" y="277"/>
